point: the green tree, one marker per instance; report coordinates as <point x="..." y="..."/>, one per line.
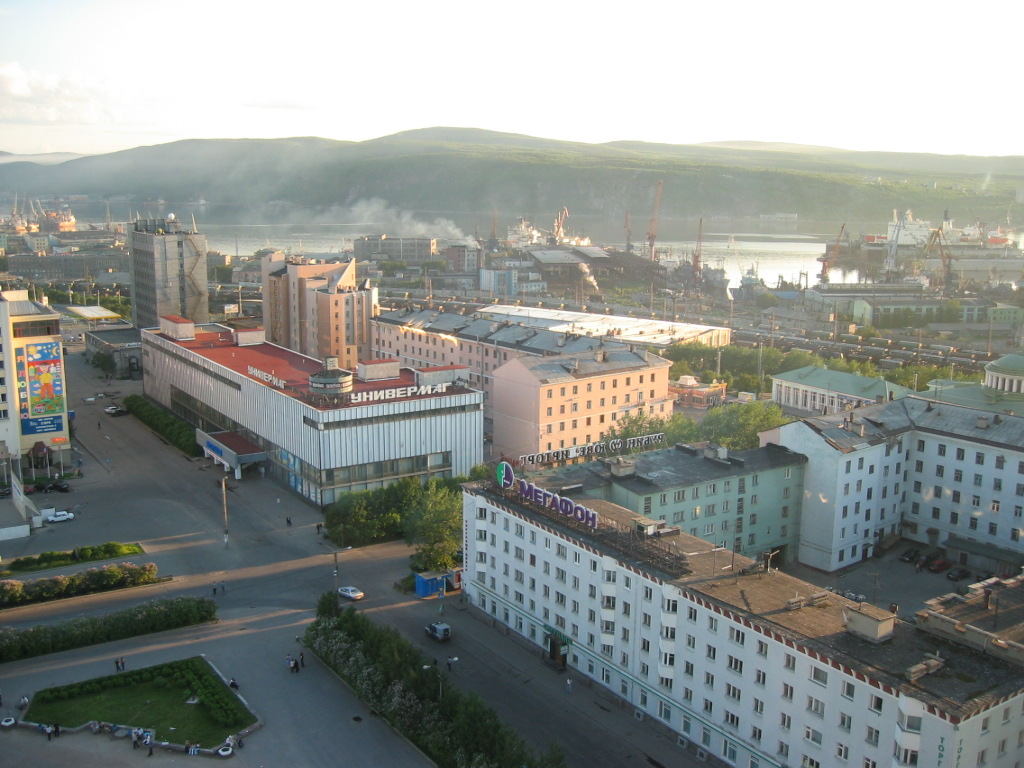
<point x="434" y="527"/>
<point x="736" y="425"/>
<point x="105" y="362"/>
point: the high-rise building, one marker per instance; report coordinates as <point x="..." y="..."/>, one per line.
<point x="168" y="268"/>
<point x="33" y="396"/>
<point x="318" y="308"/>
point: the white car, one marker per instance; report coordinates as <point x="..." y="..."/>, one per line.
<point x="59" y="516"/>
<point x="351" y="593"/>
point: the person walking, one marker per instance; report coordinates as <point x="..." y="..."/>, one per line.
<point x="56" y="730"/>
<point x="122" y="663"/>
<point x="288" y="661"/>
<point x="568" y="685"/>
<point x="288" y="520"/>
<point x="215" y="589"/>
<point x="302" y="659"/>
<point x="117" y="665"/>
<point x="223" y="587"/>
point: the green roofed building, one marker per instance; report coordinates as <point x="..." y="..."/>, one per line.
<point x="819" y="391"/>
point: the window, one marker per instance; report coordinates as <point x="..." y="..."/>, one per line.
<point x="711" y="652"/>
<point x="790" y="661"/>
<point x="842" y="751"/>
<point x="872" y="736"/>
<point x="736" y="665"/>
<point x="762" y="648"/>
<point x="875" y="703"/>
<point x="845" y="721"/>
<point x="785" y="721"/>
<point x="819" y="675"/>
<point x="787" y="691"/>
<point x="731" y="720"/>
<point x="732" y="691"/>
<point x="737" y="635"/>
<point x="815" y="706"/>
<point x="758" y="707"/>
<point x="812" y="735"/>
<point x="709" y="680"/>
<point x="760" y="677"/>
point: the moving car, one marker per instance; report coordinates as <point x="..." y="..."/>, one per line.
<point x="940" y="565"/>
<point x="439" y="631"/>
<point x="911" y="556"/>
<point x="351" y="593"/>
<point x="61" y="487"/>
<point x="58" y="516"/>
<point x="958" y="574"/>
<point x="116" y="410"/>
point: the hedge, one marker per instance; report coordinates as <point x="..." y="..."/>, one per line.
<point x="142" y="619"/>
<point x="13" y="592"/>
<point x="106" y="551"/>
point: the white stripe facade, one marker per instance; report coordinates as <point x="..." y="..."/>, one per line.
<point x="319" y="451"/>
<point x="724" y="680"/>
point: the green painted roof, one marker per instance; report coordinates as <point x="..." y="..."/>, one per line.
<point x="842" y="383"/>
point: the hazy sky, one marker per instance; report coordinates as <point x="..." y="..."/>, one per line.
<point x="95" y="76"/>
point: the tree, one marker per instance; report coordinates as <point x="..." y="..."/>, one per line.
<point x="434" y="527"/>
<point x="736" y="425"/>
<point x="105" y="362"/>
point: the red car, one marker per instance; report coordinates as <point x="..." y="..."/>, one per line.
<point x="940" y="565"/>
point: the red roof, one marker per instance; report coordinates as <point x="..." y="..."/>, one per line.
<point x="286" y="370"/>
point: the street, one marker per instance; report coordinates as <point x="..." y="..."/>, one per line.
<point x="137" y="488"/>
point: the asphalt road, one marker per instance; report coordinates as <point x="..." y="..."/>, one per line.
<point x="138" y="488"/>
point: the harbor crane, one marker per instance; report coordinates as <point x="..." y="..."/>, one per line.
<point x="652" y="228"/>
<point x="937" y="241"/>
<point x="829" y="261"/>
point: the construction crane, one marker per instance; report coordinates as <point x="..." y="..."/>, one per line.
<point x="558" y="233"/>
<point x="827" y="261"/>
<point x="937" y="241"/>
<point x="652" y="228"/>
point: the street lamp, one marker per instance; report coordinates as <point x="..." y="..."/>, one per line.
<point x="224" y="496"/>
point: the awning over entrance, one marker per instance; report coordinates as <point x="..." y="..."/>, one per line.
<point x="39" y="450"/>
<point x="230" y="449"/>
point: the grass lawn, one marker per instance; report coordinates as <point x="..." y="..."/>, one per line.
<point x="159" y="705"/>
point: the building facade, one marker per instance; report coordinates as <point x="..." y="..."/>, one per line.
<point x="382" y="247"/>
<point x="813" y="389"/>
<point x="544" y="404"/>
<point x="318" y="308"/>
<point x="34" y="424"/>
<point x="168" y="272"/>
<point x="319" y="429"/>
<point x="744" y="501"/>
<point x="735" y="659"/>
<point x="943" y="475"/>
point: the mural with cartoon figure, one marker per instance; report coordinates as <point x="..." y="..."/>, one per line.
<point x="41" y="387"/>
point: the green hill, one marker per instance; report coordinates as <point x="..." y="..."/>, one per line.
<point x="449" y="171"/>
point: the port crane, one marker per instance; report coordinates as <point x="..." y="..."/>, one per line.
<point x="829" y="261"/>
<point x="937" y="242"/>
<point x="652" y="228"/>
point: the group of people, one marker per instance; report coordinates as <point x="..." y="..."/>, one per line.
<point x="191" y="749"/>
<point x="50" y="730"/>
<point x="294" y="665"/>
<point x="119" y="664"/>
<point x="143" y="738"/>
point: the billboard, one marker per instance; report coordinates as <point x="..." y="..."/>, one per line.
<point x="39" y="370"/>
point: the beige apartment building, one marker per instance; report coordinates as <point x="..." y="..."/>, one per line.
<point x="317" y="308"/>
<point x="547" y="409"/>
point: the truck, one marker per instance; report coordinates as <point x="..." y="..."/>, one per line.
<point x="439" y="631"/>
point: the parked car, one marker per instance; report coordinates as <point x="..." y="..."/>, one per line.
<point x="931" y="557"/>
<point x="29" y="489"/>
<point x="351" y="593"/>
<point x="58" y="516"/>
<point x="44" y="486"/>
<point x="911" y="556"/>
<point x="940" y="564"/>
<point x="983" y="575"/>
<point x="61" y="487"/>
<point x="112" y="409"/>
<point x="118" y="411"/>
<point x="4" y="492"/>
<point x="958" y="574"/>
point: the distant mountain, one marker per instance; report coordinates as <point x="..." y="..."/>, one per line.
<point x="450" y="171"/>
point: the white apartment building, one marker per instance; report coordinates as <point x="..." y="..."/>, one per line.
<point x="744" y="663"/>
<point x="944" y="475"/>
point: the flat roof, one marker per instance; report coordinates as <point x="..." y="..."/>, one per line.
<point x="287" y="371"/>
<point x="93" y="313"/>
<point x="722" y="578"/>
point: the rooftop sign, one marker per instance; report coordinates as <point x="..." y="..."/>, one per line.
<point x="507" y="480"/>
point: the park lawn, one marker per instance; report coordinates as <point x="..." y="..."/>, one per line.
<point x="150" y="705"/>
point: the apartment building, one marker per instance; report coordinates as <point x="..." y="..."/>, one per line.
<point x="564" y="402"/>
<point x="735" y="659"/>
<point x="743" y="501"/>
<point x="940" y="474"/>
<point x="318" y="308"/>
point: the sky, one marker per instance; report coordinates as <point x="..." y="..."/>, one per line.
<point x="96" y="76"/>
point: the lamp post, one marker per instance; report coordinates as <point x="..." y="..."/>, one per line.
<point x="224" y="497"/>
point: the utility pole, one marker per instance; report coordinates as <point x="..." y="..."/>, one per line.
<point x="224" y="497"/>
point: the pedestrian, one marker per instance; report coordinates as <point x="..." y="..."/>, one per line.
<point x="288" y="660"/>
<point x="223" y="587"/>
<point x="302" y="659"/>
<point x="23" y="703"/>
<point x="568" y="685"/>
<point x="56" y="730"/>
<point x="233" y="684"/>
<point x="215" y="589"/>
<point x="188" y="747"/>
<point x="449" y="663"/>
<point x="117" y="664"/>
<point x="98" y="425"/>
<point x="319" y="527"/>
<point x="49" y="732"/>
<point x="288" y="520"/>
<point x="122" y="663"/>
<point x="148" y="741"/>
